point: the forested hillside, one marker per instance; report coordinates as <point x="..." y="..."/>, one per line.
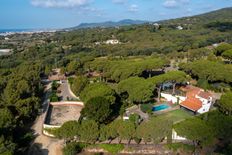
<point x="124" y="70"/>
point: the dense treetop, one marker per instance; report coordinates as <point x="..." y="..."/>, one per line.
<point x="98" y="90"/>
<point x="97" y="109"/>
<point x="78" y="84"/>
<point x="209" y="70"/>
<point x="227" y="54"/>
<point x="138" y="89"/>
<point x="118" y="70"/>
<point x="196" y="130"/>
<point x="172" y="76"/>
<point x="222" y="48"/>
<point x="226" y="103"/>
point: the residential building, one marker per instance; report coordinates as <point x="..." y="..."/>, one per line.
<point x="179" y="27"/>
<point x="112" y="41"/>
<point x="195" y="99"/>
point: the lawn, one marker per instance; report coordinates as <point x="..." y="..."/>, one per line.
<point x="176" y="115"/>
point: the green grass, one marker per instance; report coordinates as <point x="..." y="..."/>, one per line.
<point x="112" y="148"/>
<point x="176" y="146"/>
<point x="176" y="115"/>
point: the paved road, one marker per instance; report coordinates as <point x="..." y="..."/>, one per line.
<point x="43" y="145"/>
<point x="66" y="91"/>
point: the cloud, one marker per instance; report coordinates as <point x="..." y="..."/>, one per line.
<point x="133" y="8"/>
<point x="59" y="3"/>
<point x="175" y="3"/>
<point x="119" y="1"/>
<point x="170" y="4"/>
<point x="185" y="1"/>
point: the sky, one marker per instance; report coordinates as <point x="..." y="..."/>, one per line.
<point x="68" y="13"/>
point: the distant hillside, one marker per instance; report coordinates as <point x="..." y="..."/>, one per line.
<point x="222" y="15"/>
<point x="109" y="24"/>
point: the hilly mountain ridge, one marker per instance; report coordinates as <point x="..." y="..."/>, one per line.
<point x="106" y="24"/>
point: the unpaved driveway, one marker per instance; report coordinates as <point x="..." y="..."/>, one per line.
<point x="43" y="145"/>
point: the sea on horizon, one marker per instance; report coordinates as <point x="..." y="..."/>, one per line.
<point x="4" y="32"/>
<point x="14" y="30"/>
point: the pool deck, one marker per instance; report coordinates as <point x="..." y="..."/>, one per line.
<point x="165" y="110"/>
<point x="171" y="108"/>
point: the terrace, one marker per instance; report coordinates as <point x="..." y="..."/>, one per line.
<point x="178" y="92"/>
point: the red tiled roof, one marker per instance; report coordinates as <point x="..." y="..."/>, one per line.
<point x="192" y="94"/>
<point x="191" y="91"/>
<point x="204" y="95"/>
<point x="193" y="104"/>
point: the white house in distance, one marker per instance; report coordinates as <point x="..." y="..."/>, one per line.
<point x="112" y="41"/>
<point x="179" y="27"/>
<point x="195" y="99"/>
<point x="97" y="43"/>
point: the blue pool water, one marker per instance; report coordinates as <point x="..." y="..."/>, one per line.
<point x="160" y="107"/>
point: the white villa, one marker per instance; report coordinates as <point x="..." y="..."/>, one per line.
<point x="112" y="41"/>
<point x="179" y="27"/>
<point x="195" y="99"/>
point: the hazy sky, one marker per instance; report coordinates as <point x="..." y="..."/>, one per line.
<point x="68" y="13"/>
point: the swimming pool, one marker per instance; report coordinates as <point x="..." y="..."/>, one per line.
<point x="160" y="107"/>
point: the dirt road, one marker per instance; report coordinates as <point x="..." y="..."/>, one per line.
<point x="43" y="145"/>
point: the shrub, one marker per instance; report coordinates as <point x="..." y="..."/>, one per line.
<point x="72" y="148"/>
<point x="112" y="148"/>
<point x="55" y="85"/>
<point x="54" y="97"/>
<point x="146" y="108"/>
<point x="7" y="153"/>
<point x="70" y="80"/>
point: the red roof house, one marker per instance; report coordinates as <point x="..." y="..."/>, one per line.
<point x="192" y="104"/>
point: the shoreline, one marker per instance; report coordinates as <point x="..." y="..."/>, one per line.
<point x="7" y="32"/>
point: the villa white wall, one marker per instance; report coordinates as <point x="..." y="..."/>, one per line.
<point x="176" y="137"/>
<point x="126" y="118"/>
<point x="206" y="104"/>
<point x="67" y="103"/>
<point x="46" y="126"/>
<point x="204" y="108"/>
<point x="172" y="98"/>
<point x="205" y="101"/>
